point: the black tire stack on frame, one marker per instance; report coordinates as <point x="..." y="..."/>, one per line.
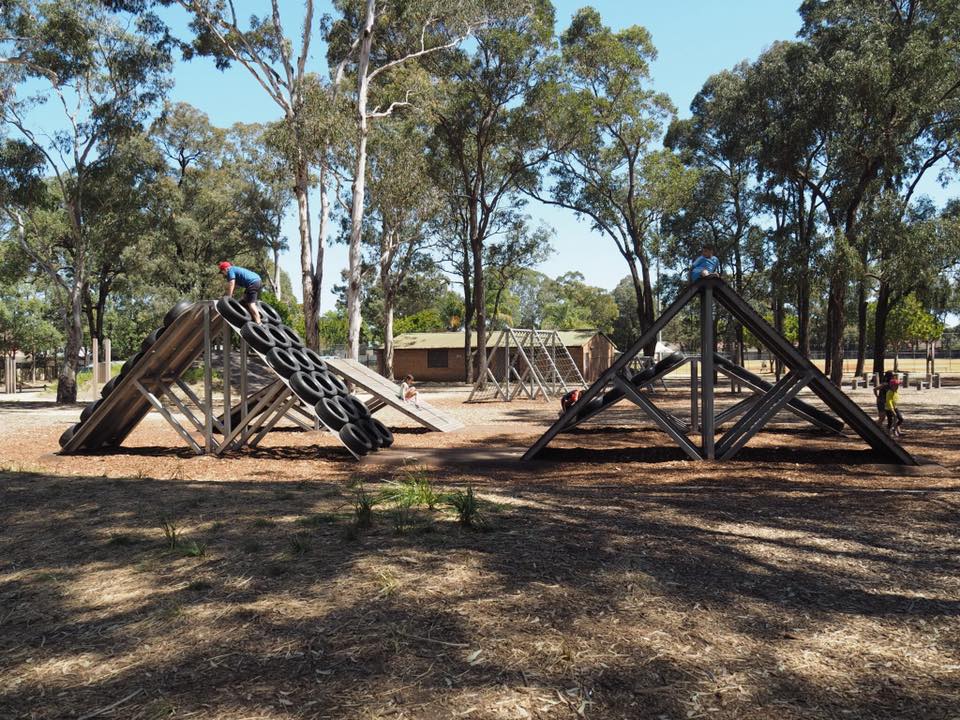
<point x="309" y="377"/>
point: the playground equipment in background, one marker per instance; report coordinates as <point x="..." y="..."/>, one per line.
<point x="532" y="363"/>
<point x="291" y="382"/>
<point x="754" y="412"/>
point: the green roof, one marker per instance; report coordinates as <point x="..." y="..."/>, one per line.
<point x="454" y="340"/>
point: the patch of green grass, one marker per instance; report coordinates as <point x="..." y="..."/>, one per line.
<point x="414" y="490"/>
<point x="363" y="508"/>
<point x="263" y="523"/>
<point x="402" y="516"/>
<point x="467" y="506"/>
<point x="171" y="533"/>
<point x="298" y="545"/>
<point x="194" y="549"/>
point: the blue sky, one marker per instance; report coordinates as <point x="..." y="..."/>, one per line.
<point x="694" y="39"/>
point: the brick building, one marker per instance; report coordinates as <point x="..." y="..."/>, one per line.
<point x="439" y="357"/>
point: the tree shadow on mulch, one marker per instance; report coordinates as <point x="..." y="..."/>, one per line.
<point x="606" y="592"/>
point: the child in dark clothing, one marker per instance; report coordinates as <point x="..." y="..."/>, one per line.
<point x="569" y="400"/>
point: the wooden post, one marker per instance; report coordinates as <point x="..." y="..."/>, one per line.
<point x="95" y="369"/>
<point x="107" y="360"/>
<point x="706" y="372"/>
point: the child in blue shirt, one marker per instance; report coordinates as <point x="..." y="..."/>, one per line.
<point x="248" y="280"/>
<point x="705" y="265"/>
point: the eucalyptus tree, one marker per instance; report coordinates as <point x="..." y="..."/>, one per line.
<point x="403" y="203"/>
<point x="610" y="173"/>
<point x="383" y="43"/>
<point x="887" y="96"/>
<point x="489" y="143"/>
<point x="279" y="66"/>
<point x="716" y="142"/>
<point x="105" y="75"/>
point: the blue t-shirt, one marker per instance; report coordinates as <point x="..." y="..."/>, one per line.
<point x="245" y="278"/>
<point x="710" y="264"/>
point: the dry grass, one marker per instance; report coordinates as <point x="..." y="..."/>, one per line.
<point x="613" y="583"/>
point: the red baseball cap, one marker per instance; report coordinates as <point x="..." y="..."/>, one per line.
<point x="224" y="265"/>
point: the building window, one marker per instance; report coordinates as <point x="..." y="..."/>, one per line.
<point x="437" y="359"/>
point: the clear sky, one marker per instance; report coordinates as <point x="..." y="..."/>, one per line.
<point x="694" y="39"/>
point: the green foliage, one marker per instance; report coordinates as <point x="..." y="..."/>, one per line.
<point x="415" y="489"/>
<point x="363" y="505"/>
<point x="171" y="533"/>
<point x="467" y="506"/>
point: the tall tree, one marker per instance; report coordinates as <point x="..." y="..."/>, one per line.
<point x="386" y="39"/>
<point x="279" y="66"/>
<point x="609" y="173"/>
<point x="488" y="141"/>
<point x="106" y="80"/>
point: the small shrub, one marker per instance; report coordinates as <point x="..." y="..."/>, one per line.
<point x="413" y="491"/>
<point x="467" y="506"/>
<point x="402" y="517"/>
<point x="363" y="508"/>
<point x="194" y="549"/>
<point x="298" y="545"/>
<point x="171" y="533"/>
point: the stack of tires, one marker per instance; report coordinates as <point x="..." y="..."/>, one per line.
<point x="309" y="377"/>
<point x="176" y="311"/>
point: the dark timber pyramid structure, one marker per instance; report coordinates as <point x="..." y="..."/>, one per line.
<point x="754" y="412"/>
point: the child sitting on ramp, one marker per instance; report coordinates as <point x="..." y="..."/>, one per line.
<point x="408" y="392"/>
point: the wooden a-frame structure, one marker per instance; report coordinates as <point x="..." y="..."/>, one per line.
<point x="754" y="412"/>
<point x="532" y="363"/>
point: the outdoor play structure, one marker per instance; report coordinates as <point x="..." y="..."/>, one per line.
<point x="754" y="412"/>
<point x="530" y="363"/>
<point x="274" y="375"/>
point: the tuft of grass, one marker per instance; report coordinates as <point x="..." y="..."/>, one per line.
<point x="402" y="517"/>
<point x="120" y="539"/>
<point x="414" y="490"/>
<point x="467" y="506"/>
<point x="363" y="508"/>
<point x="199" y="586"/>
<point x="388" y="583"/>
<point x="194" y="549"/>
<point x="298" y="545"/>
<point x="171" y="533"/>
<point x="263" y="523"/>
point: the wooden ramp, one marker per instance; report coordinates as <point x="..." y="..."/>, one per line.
<point x="385" y="393"/>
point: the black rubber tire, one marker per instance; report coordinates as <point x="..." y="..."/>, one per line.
<point x="330" y="387"/>
<point x="283" y="362"/>
<point x="68" y="434"/>
<point x="176" y="311"/>
<point x="377" y="430"/>
<point x="291" y="335"/>
<point x="280" y="338"/>
<point x="109" y="386"/>
<point x="339" y="384"/>
<point x="89" y="410"/>
<point x="233" y="311"/>
<point x="130" y="364"/>
<point x="258" y="336"/>
<point x="357" y="439"/>
<point x="331" y="412"/>
<point x="306" y="387"/>
<point x="303" y="360"/>
<point x="268" y="314"/>
<point x="360" y="411"/>
<point x="319" y="365"/>
<point x="150" y="339"/>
